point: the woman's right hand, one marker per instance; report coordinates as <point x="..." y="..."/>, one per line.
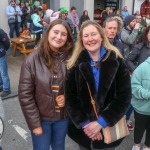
<point x="38" y="131"/>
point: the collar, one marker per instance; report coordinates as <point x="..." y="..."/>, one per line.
<point x="102" y="53"/>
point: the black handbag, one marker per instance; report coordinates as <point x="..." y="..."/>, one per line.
<point x="11" y="20"/>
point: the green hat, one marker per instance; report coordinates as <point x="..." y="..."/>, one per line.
<point x="63" y="10"/>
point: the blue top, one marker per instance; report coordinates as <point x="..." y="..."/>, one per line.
<point x="124" y="14"/>
<point x="10" y="10"/>
<point x="96" y="73"/>
<point x="96" y="70"/>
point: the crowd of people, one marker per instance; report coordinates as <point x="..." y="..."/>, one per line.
<point x="77" y="59"/>
<point x="33" y="17"/>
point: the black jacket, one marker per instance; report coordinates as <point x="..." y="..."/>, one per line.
<point x="119" y="45"/>
<point x="25" y="15"/>
<point x="112" y="99"/>
<point x="4" y="43"/>
<point x="83" y="18"/>
<point x="104" y="16"/>
<point x="138" y="54"/>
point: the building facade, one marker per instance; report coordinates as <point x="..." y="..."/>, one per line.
<point x="91" y="5"/>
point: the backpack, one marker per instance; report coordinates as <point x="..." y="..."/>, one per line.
<point x="4" y="40"/>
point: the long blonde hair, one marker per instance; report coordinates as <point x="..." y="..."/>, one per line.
<point x="79" y="43"/>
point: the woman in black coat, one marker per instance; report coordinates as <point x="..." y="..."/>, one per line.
<point x="27" y="11"/>
<point x="96" y="62"/>
<point x="84" y="17"/>
<point x="140" y="52"/>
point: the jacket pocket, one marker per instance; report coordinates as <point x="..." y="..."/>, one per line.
<point x="46" y="106"/>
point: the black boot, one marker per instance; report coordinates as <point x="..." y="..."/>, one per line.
<point x="1" y="89"/>
<point x="5" y="93"/>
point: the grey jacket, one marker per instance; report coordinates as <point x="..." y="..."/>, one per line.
<point x="138" y="55"/>
<point x="128" y="37"/>
<point x="77" y="21"/>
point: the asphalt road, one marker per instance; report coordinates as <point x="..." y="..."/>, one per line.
<point x="17" y="135"/>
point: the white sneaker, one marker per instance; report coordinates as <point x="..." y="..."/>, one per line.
<point x="146" y="148"/>
<point x="129" y="125"/>
<point x="135" y="147"/>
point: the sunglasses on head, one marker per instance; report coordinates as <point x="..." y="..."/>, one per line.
<point x="65" y="13"/>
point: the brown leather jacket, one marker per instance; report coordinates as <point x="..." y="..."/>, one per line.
<point x="36" y="97"/>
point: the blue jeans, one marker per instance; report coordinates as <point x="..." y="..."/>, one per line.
<point x="54" y="133"/>
<point x="129" y="112"/>
<point x="4" y="78"/>
<point x="14" y="26"/>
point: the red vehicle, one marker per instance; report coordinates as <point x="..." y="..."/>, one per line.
<point x="145" y="8"/>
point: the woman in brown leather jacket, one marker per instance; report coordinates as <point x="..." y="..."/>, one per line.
<point x="41" y="88"/>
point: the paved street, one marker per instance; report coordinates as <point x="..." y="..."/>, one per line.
<point x="17" y="135"/>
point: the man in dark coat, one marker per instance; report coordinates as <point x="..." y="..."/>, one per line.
<point x="111" y="27"/>
<point x="4" y="78"/>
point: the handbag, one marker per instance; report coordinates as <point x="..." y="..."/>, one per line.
<point x="11" y="20"/>
<point x="111" y="134"/>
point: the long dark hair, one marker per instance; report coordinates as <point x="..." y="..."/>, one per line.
<point x="44" y="46"/>
<point x="144" y="34"/>
<point x="85" y="12"/>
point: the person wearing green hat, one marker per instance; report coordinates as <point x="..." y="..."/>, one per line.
<point x="63" y="10"/>
<point x="63" y="16"/>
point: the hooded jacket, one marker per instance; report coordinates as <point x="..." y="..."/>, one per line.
<point x="140" y="82"/>
<point x="53" y="16"/>
<point x="138" y="55"/>
<point x="128" y="37"/>
<point x="37" y="24"/>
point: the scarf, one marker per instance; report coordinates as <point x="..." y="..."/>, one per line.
<point x="74" y="16"/>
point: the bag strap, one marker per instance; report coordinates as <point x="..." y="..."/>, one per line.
<point x="92" y="101"/>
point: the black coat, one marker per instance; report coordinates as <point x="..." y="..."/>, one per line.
<point x="112" y="100"/>
<point x="119" y="45"/>
<point x="25" y="15"/>
<point x="138" y="54"/>
<point x="4" y="43"/>
<point x="83" y="18"/>
<point x="104" y="16"/>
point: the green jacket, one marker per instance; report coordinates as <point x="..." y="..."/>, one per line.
<point x="141" y="88"/>
<point x="140" y="31"/>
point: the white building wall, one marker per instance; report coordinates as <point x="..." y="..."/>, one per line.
<point x="65" y="3"/>
<point x="137" y="5"/>
<point x="129" y="4"/>
<point x="89" y="6"/>
<point x="3" y="17"/>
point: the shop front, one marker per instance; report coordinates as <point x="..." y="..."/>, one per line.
<point x="100" y="5"/>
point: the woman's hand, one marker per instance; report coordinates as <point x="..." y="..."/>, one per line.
<point x="60" y="100"/>
<point x="92" y="130"/>
<point x="38" y="131"/>
<point x="98" y="137"/>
